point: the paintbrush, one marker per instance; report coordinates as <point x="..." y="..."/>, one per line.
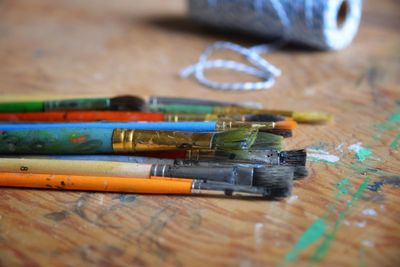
<point x="123" y="102"/>
<point x="163" y="100"/>
<point x="269" y="157"/>
<point x="105" y="103"/>
<point x="294" y="158"/>
<point x="271" y="123"/>
<point x="103" y="141"/>
<point x="216" y="126"/>
<point x="302" y="117"/>
<point x="96" y="115"/>
<point x="154" y="185"/>
<point x="245" y="175"/>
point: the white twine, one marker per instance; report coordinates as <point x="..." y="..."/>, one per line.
<point x="312" y="22"/>
<point x="260" y="67"/>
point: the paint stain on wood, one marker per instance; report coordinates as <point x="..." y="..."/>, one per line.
<point x="384" y="180"/>
<point x="57" y="216"/>
<point x="127" y="198"/>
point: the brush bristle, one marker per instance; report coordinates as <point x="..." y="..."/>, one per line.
<point x="288" y="125"/>
<point x="277" y="180"/>
<point x="127" y="102"/>
<point x="234" y="139"/>
<point x="264" y="117"/>
<point x="267" y="141"/>
<point x="311" y="117"/>
<point x="282" y="132"/>
<point x="293" y="157"/>
<point x="300" y="172"/>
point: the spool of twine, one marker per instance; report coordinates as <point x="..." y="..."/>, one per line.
<point x="322" y="24"/>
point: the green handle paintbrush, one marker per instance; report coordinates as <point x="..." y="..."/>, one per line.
<point x="104" y="103"/>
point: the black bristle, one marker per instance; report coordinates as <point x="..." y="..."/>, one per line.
<point x="293" y="157"/>
<point x="300" y="172"/>
<point x="277" y="180"/>
<point x="264" y="117"/>
<point x="285" y="133"/>
<point x="127" y="102"/>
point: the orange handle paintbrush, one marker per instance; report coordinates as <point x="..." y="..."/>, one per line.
<point x="153" y="185"/>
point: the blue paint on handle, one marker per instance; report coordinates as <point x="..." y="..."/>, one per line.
<point x="160" y="126"/>
<point x="56" y="141"/>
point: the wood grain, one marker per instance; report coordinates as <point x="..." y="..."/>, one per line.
<point x="336" y="217"/>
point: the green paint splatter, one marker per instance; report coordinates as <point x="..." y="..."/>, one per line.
<point x="323" y="248"/>
<point x="361" y="257"/>
<point x="342" y="187"/>
<point x="394" y="118"/>
<point x="370" y="171"/>
<point x="318" y="229"/>
<point x="363" y="154"/>
<point x="395" y="143"/>
<point x="390" y="122"/>
<point x="312" y="234"/>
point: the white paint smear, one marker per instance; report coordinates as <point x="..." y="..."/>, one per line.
<point x="355" y="147"/>
<point x="367" y="243"/>
<point x="258" y="233"/>
<point x="369" y="212"/>
<point x="292" y="199"/>
<point x="321" y="155"/>
<point x="339" y="148"/>
<point x="361" y="224"/>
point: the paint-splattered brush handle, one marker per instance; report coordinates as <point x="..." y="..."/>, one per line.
<point x="69" y="104"/>
<point x="56" y="141"/>
<point x="153" y="185"/>
<point x="99" y="141"/>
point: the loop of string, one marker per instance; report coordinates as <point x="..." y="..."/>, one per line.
<point x="259" y="67"/>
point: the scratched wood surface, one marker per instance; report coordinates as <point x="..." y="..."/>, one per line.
<point x="346" y="213"/>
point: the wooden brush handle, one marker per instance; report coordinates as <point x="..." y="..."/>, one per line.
<point x="75" y="167"/>
<point x="153" y="185"/>
<point x="90" y="116"/>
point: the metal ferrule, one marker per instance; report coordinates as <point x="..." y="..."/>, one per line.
<point x="263" y="156"/>
<point x="190" y="117"/>
<point x="267" y="156"/>
<point x="220" y="163"/>
<point x="242" y="110"/>
<point x="223" y="125"/>
<point x="220" y="188"/>
<point x="124" y="140"/>
<point x="235" y="175"/>
<point x="194" y="154"/>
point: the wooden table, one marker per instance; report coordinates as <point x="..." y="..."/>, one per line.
<point x="346" y="213"/>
